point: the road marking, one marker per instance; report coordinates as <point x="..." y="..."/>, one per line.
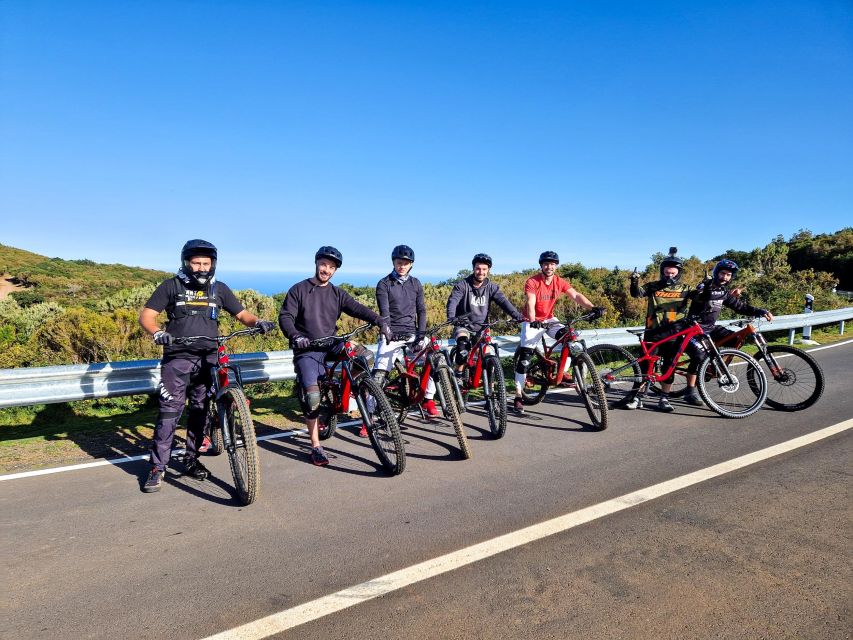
<point x="273" y="436"/>
<point x="351" y="596"/>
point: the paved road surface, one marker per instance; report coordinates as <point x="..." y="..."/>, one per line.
<point x="762" y="552"/>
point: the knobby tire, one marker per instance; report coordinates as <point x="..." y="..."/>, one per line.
<point x="243" y="450"/>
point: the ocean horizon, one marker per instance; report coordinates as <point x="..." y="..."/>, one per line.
<point x="270" y="283"/>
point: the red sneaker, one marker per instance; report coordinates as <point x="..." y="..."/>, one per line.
<point x="363" y="432"/>
<point x="430" y="409"/>
<point x="205" y="445"/>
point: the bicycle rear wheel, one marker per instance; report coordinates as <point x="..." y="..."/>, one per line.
<point x="451" y="410"/>
<point x="242" y="447"/>
<point x="397" y="389"/>
<point x="382" y="428"/>
<point x="214" y="431"/>
<point x="327" y="418"/>
<point x="537" y="382"/>
<point x="591" y="390"/>
<point x="494" y="390"/>
<point x="796" y="382"/>
<point x="618" y="371"/>
<point x="732" y="384"/>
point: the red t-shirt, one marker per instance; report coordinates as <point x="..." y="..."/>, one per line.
<point x="546" y="294"/>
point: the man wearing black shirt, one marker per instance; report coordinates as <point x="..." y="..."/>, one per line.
<point x="310" y="311"/>
<point x="192" y="300"/>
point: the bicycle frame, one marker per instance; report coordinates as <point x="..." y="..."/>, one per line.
<point x="345" y="354"/>
<point x="555" y="377"/>
<point x="409" y="365"/>
<point x="693" y="331"/>
<point x="482" y="343"/>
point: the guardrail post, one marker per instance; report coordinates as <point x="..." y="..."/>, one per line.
<point x="841" y="331"/>
<point x="791" y="334"/>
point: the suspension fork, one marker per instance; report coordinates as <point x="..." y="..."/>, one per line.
<point x="761" y="342"/>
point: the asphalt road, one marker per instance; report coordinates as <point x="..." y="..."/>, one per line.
<point x="763" y="552"/>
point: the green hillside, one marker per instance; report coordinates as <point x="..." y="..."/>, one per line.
<point x="78" y="311"/>
<point x="69" y="282"/>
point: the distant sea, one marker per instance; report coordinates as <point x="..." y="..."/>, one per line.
<point x="270" y="283"/>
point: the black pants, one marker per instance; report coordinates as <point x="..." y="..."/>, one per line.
<point x="182" y="378"/>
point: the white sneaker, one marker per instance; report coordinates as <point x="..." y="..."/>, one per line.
<point x="634" y="403"/>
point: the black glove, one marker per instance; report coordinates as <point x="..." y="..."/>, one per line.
<point x="635" y="275"/>
<point x="385" y="330"/>
<point x="596" y="312"/>
<point x="264" y="326"/>
<point x="300" y="342"/>
<point x="163" y="337"/>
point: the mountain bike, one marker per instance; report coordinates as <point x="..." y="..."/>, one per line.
<point x="407" y="382"/>
<point x="231" y="421"/>
<point x="377" y="415"/>
<point x="795" y="380"/>
<point x="483" y="368"/>
<point x="731" y="382"/>
<point x="547" y="367"/>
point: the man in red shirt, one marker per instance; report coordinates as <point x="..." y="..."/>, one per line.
<point x="542" y="292"/>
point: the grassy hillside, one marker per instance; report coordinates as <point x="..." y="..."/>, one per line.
<point x="69" y="282"/>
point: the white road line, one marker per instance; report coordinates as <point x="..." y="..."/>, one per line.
<point x="274" y="436"/>
<point x="289" y="618"/>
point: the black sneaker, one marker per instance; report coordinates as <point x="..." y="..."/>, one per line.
<point x="691" y="396"/>
<point x="518" y="406"/>
<point x="195" y="469"/>
<point x="319" y="457"/>
<point x="154" y="480"/>
<point x="663" y="405"/>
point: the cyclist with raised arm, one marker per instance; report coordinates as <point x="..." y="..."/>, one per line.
<point x="668" y="300"/>
<point x="310" y="311"/>
<point x="708" y="300"/>
<point x="541" y="292"/>
<point x="473" y="295"/>
<point x="400" y="297"/>
<point x="192" y="300"/>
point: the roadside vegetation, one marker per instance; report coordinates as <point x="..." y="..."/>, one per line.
<point x="79" y="312"/>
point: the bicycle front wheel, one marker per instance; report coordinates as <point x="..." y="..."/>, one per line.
<point x="794" y="378"/>
<point x="451" y="410"/>
<point x="536" y="382"/>
<point x="591" y="390"/>
<point x="241" y="445"/>
<point x="618" y="371"/>
<point x="494" y="390"/>
<point x="732" y="383"/>
<point x="382" y="428"/>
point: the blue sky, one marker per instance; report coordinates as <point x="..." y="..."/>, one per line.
<point x="603" y="130"/>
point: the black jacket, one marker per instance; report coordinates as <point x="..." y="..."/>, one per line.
<point x="465" y="298"/>
<point x="402" y="304"/>
<point x="708" y="300"/>
<point x="312" y="311"/>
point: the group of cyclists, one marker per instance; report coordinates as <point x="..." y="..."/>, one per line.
<point x="193" y="299"/>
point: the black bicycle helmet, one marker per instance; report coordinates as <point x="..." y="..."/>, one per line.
<point x="403" y="252"/>
<point x="193" y="248"/>
<point x="481" y="258"/>
<point x="672" y="260"/>
<point x="548" y="256"/>
<point x="725" y="265"/>
<point x="330" y="253"/>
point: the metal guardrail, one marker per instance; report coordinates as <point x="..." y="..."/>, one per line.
<point x="47" y="385"/>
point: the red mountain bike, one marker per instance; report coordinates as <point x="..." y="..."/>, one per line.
<point x="483" y="370"/>
<point x="547" y="367"/>
<point x="795" y="380"/>
<point x="230" y="419"/>
<point x="730" y="382"/>
<point x="407" y="383"/>
<point x="376" y="412"/>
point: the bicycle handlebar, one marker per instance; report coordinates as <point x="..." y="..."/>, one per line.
<point x="328" y="341"/>
<point x="217" y="339"/>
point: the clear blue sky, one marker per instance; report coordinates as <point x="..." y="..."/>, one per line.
<point x="603" y="130"/>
